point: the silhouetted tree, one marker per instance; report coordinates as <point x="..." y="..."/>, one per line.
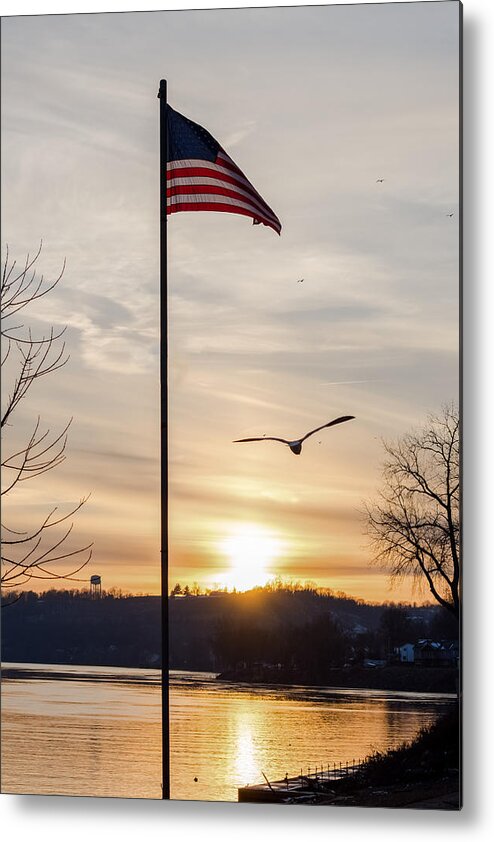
<point x="238" y="640"/>
<point x="319" y="645"/>
<point x="29" y="553"/>
<point x="443" y="626"/>
<point x="395" y="627"/>
<point x="416" y="523"/>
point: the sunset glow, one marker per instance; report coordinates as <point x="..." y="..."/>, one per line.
<point x="251" y="551"/>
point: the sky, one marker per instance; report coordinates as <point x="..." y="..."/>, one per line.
<point x="314" y="104"/>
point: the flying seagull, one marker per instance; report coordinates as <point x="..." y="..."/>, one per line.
<point x="300" y="281"/>
<point x="450" y="214"/>
<point x="296" y="445"/>
<point x="379" y="180"/>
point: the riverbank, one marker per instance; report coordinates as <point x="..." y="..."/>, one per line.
<point x="402" y="678"/>
<point x="422" y="774"/>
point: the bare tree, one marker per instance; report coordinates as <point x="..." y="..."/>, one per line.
<point x="415" y="525"/>
<point x="26" y="359"/>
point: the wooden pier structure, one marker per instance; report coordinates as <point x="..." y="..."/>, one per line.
<point x="303" y="787"/>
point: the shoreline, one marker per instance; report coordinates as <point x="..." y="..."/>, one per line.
<point x="80" y="672"/>
<point x="394" y="678"/>
<point x="423" y="774"/>
<point x="427" y="681"/>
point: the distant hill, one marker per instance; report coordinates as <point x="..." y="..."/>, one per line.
<point x="194" y="621"/>
<point x="63" y="628"/>
<point x="70" y="628"/>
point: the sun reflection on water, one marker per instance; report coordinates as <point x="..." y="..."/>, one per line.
<point x="246" y="767"/>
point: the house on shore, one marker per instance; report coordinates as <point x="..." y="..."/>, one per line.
<point x="406" y="653"/>
<point x="429" y="653"/>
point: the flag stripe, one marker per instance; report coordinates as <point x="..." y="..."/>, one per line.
<point x="217" y="206"/>
<point x="211" y="198"/>
<point x="219" y="199"/>
<point x="222" y="203"/>
<point x="227" y="162"/>
<point x="199" y="194"/>
<point x="201" y="176"/>
<point x="182" y="186"/>
<point x="186" y="170"/>
<point x="208" y="168"/>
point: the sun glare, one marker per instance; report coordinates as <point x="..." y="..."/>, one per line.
<point x="251" y="551"/>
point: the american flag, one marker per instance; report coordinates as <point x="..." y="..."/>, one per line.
<point x="200" y="176"/>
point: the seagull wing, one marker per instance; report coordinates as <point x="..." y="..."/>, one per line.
<point x="261" y="438"/>
<point x="339" y="420"/>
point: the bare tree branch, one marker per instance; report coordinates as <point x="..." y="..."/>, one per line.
<point x="414" y="527"/>
<point x="29" y="553"/>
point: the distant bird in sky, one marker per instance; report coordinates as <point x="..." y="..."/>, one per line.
<point x="379" y="180"/>
<point x="450" y="214"/>
<point x="296" y="445"/>
<point x="300" y="281"/>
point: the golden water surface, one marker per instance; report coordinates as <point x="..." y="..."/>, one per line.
<point x="97" y="731"/>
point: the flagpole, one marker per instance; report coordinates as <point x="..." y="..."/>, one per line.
<point x="165" y="699"/>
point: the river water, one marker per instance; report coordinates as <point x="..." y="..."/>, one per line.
<point x="97" y="730"/>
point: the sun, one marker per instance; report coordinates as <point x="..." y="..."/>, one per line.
<point x="251" y="550"/>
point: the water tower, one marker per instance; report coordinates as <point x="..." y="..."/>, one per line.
<point x="95" y="587"/>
